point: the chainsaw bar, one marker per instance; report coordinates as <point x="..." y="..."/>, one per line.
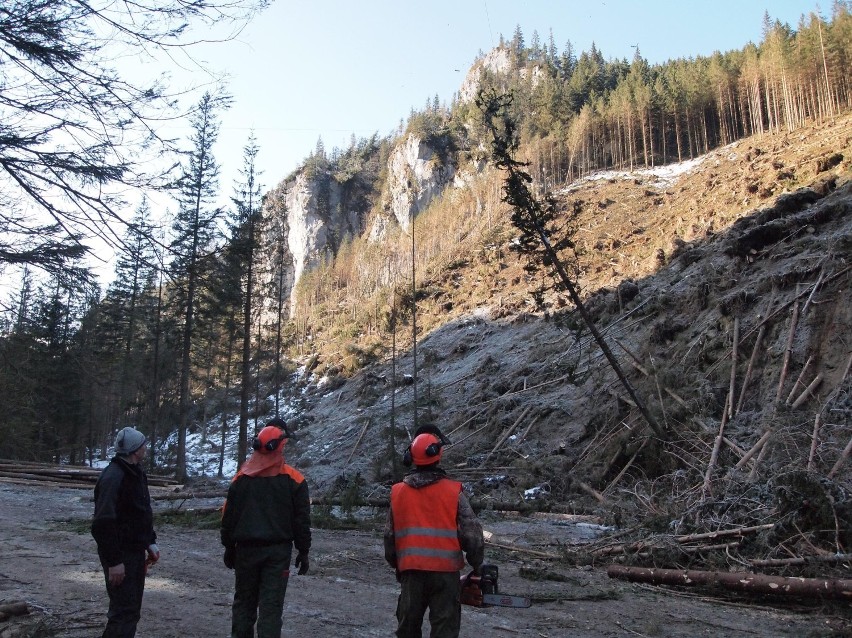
<point x="480" y="590"/>
<point x="502" y="600"/>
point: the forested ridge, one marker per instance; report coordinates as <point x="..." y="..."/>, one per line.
<point x="196" y="324"/>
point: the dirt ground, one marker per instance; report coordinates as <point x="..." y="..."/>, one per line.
<point x="49" y="561"/>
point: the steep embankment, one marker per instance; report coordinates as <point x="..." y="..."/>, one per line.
<point x="751" y="241"/>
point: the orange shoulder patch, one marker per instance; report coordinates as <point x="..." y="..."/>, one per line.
<point x="292" y="472"/>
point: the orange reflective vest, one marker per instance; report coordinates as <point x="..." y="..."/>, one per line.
<point x="425" y="526"/>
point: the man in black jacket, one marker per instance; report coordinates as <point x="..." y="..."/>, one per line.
<point x="123" y="528"/>
<point x="267" y="511"/>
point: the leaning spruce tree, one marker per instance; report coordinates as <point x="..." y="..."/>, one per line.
<point x="541" y="240"/>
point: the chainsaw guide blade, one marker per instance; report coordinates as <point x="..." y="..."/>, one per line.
<point x="502" y="600"/>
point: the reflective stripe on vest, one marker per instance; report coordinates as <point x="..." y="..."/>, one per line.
<point x="425" y="522"/>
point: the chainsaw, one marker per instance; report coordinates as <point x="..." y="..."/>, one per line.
<point x="480" y="590"/>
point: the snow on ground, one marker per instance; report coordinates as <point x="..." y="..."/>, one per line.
<point x="203" y="450"/>
<point x="659" y="176"/>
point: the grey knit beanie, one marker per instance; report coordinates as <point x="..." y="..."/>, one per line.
<point x="128" y="440"/>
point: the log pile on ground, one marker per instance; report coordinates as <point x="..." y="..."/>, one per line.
<point x="72" y="476"/>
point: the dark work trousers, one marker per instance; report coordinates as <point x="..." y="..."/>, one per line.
<point x="125" y="601"/>
<point x="260" y="583"/>
<point x="437" y="591"/>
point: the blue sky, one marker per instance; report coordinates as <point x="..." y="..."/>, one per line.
<point x="306" y="69"/>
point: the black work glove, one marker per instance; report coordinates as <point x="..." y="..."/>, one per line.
<point x="230" y="556"/>
<point x="302" y="563"/>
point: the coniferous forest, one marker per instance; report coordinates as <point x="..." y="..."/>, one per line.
<point x="197" y="321"/>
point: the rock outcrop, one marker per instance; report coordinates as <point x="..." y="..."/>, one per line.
<point x="309" y="216"/>
<point x="416" y="175"/>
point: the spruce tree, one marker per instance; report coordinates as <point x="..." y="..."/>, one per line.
<point x="195" y="228"/>
<point x="245" y="227"/>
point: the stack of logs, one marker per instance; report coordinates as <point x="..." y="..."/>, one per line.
<point x="74" y="476"/>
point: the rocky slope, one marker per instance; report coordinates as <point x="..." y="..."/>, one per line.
<point x="742" y="252"/>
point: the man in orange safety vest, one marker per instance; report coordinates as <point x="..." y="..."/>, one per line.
<point x="430" y="529"/>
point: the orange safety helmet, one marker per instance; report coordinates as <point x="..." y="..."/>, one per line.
<point x="268" y="439"/>
<point x="426" y="449"/>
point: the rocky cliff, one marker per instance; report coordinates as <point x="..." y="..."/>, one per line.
<point x="311" y="213"/>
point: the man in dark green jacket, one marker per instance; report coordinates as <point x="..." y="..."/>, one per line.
<point x="123" y="528"/>
<point x="267" y="511"/>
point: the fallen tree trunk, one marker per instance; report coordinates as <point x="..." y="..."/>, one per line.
<point x="801" y="560"/>
<point x="840" y="589"/>
<point x="45" y="483"/>
<point x="36" y="472"/>
<point x="187" y="496"/>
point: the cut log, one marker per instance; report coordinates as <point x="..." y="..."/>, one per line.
<point x="794" y="319"/>
<point x="814" y="441"/>
<point x="799" y="380"/>
<point x="755" y="449"/>
<point x="734" y="350"/>
<point x="523" y="550"/>
<point x="358" y="442"/>
<point x="751" y="360"/>
<point x="813" y="291"/>
<point x="526" y="431"/>
<point x="808" y="391"/>
<point x="723" y="533"/>
<point x="634" y="361"/>
<point x="727" y="411"/>
<point x="615" y="394"/>
<point x="736" y="448"/>
<point x="845" y="455"/>
<point x="625" y="468"/>
<point x="506" y="434"/>
<point x="588" y="489"/>
<point x="12" y="480"/>
<point x="717" y="445"/>
<point x="801" y="560"/>
<point x="840" y="589"/>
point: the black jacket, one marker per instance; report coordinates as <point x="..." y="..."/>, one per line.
<point x="264" y="510"/>
<point x="123" y="519"/>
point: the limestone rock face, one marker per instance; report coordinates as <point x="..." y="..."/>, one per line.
<point x="307" y="221"/>
<point x="416" y="176"/>
<point x="309" y="217"/>
<point x="496" y="61"/>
